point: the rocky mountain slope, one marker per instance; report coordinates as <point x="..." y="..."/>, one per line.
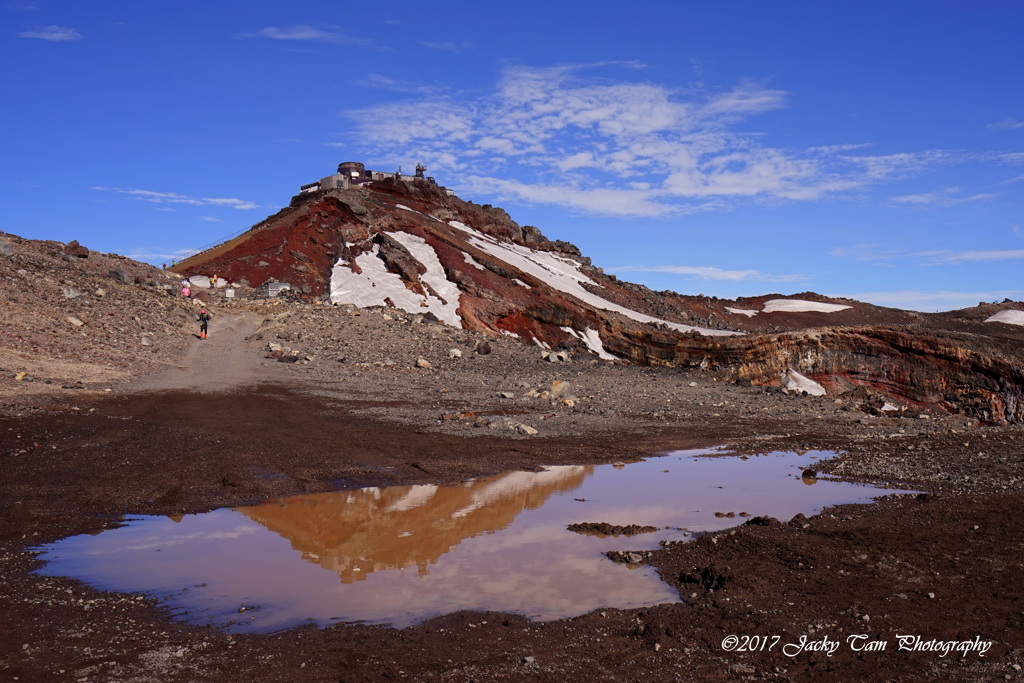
<point x="413" y="246"/>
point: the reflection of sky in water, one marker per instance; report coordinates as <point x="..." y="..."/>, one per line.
<point x="398" y="555"/>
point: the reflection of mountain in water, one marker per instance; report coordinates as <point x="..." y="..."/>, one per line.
<point x="358" y="532"/>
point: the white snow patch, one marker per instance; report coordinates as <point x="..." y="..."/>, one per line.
<point x="510" y="334"/>
<point x="742" y="311"/>
<point x="592" y="339"/>
<point x="564" y="275"/>
<point x="376" y="283"/>
<point x="472" y="261"/>
<point x="890" y="407"/>
<point x="1009" y="316"/>
<point x="417" y="495"/>
<point x="520" y="282"/>
<point x="797" y="382"/>
<point x="800" y="306"/>
<point x="517" y="485"/>
<point x="405" y="208"/>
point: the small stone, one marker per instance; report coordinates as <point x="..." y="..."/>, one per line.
<point x="692" y="384"/>
<point x="507" y="394"/>
<point x="526" y="429"/>
<point x="529" y="660"/>
<point x="74" y="321"/>
<point x="454" y="353"/>
<point x="422" y="363"/>
<point x="147" y="341"/>
<point x="20" y="376"/>
<point x="559" y="389"/>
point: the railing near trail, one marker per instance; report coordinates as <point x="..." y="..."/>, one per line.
<point x="213" y="245"/>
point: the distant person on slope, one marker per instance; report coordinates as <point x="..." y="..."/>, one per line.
<point x="204" y="323"/>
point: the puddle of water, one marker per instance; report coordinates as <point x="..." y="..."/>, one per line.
<point x="402" y="554"/>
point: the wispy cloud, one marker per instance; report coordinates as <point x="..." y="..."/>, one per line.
<point x="597" y="145"/>
<point x="211" y="219"/>
<point x="442" y="46"/>
<point x="56" y="34"/>
<point x="1007" y="124"/>
<point x="880" y="253"/>
<point x="304" y="32"/>
<point x="932" y="301"/>
<point x="950" y="196"/>
<point x="175" y="198"/>
<point x="709" y="273"/>
<point x="877" y="252"/>
<point x="958" y="258"/>
<point x="382" y="82"/>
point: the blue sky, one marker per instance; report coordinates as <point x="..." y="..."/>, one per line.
<point x="869" y="149"/>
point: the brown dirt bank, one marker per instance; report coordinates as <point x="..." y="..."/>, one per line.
<point x="945" y="567"/>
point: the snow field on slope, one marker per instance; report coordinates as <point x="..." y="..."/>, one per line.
<point x="800" y="306"/>
<point x="564" y="275"/>
<point x="1009" y="316"/>
<point x="376" y="283"/>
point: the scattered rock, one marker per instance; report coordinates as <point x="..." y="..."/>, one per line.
<point x="559" y="389"/>
<point x="709" y="578"/>
<point x="73" y="248"/>
<point x="605" y="529"/>
<point x="77" y="322"/>
<point x="454" y="353"/>
<point x="422" y="363"/>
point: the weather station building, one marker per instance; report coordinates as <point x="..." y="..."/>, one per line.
<point x="352" y="173"/>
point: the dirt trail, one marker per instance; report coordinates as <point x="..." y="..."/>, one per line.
<point x="222" y="362"/>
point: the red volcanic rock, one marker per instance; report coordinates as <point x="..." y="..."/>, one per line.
<point x="73" y="248"/>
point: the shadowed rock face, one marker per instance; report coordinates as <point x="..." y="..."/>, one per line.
<point x="912" y="359"/>
<point x="913" y="368"/>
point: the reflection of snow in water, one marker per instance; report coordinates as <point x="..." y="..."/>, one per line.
<point x="402" y="554"/>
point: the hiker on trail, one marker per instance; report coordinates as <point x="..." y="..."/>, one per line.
<point x="186" y="292"/>
<point x="204" y="323"/>
<point x="213" y="281"/>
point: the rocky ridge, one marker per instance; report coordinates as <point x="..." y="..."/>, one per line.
<point x="477" y="269"/>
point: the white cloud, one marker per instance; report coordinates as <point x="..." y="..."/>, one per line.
<point x="958" y="258"/>
<point x="709" y="273"/>
<point x="175" y="198"/>
<point x="867" y="252"/>
<point x="932" y="301"/>
<point x="58" y="34"/>
<point x="562" y="139"/>
<point x="305" y="32"/>
<point x="443" y="46"/>
<point x="949" y="196"/>
<point x="381" y="82"/>
<point x="1007" y="124"/>
<point x="211" y="219"/>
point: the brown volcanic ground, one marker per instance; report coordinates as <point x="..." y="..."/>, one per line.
<point x="189" y="425"/>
